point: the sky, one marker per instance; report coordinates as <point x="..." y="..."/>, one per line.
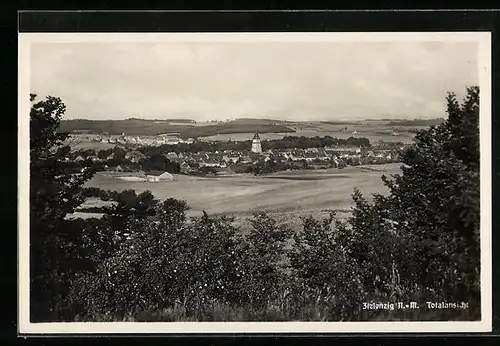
<point x="301" y="81"/>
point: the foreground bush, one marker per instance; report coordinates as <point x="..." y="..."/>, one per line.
<point x="421" y="241"/>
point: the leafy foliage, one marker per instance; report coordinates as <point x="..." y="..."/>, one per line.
<point x="261" y="260"/>
<point x="156" y="161"/>
<point x="428" y="226"/>
<point x="55" y="192"/>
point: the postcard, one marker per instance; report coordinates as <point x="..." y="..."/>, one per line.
<point x="254" y="182"/>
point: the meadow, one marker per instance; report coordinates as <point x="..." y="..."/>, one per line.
<point x="244" y="129"/>
<point x="85" y="145"/>
<point x="286" y="195"/>
<point x="375" y="131"/>
<point x="144" y="127"/>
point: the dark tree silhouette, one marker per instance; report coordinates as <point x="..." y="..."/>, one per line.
<point x="428" y="226"/>
<point x="55" y="191"/>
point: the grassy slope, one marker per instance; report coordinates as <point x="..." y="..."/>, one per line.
<point x="302" y="192"/>
<point x="287" y="195"/>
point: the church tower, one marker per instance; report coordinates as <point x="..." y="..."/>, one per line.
<point x="256" y="147"/>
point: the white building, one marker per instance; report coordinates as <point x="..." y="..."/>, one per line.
<point x="256" y="146"/>
<point x="159" y="176"/>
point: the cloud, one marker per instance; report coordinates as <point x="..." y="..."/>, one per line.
<point x="315" y="80"/>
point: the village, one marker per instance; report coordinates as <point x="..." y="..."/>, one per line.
<point x="123" y="139"/>
<point x="159" y="164"/>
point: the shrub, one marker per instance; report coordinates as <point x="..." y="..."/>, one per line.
<point x="55" y="191"/>
<point x="164" y="260"/>
<point x="262" y="261"/>
<point x="326" y="274"/>
<point x="422" y="240"/>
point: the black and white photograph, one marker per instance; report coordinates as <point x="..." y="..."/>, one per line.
<point x="294" y="182"/>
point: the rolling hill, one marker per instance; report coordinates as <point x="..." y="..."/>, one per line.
<point x="417" y="122"/>
<point x="154" y="127"/>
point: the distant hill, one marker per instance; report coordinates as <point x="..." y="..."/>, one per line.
<point x="179" y="121"/>
<point x="143" y="127"/>
<point x="417" y="122"/>
<point x="339" y="122"/>
<point x="187" y="121"/>
<point x="253" y="121"/>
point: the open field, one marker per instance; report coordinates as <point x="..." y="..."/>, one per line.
<point x="143" y="127"/>
<point x="372" y="136"/>
<point x="243" y="129"/>
<point x="286" y="195"/>
<point x="373" y="130"/>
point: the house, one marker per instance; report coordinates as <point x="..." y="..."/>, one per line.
<point x="157" y="176"/>
<point x="280" y="157"/>
<point x="172" y="141"/>
<point x="171" y="136"/>
<point x="381" y="153"/>
<point x="110" y="156"/>
<point x="345" y="149"/>
<point x="210" y="162"/>
<point x="296" y="155"/>
<point x="245" y="159"/>
<point x="172" y="156"/>
<point x="119" y="168"/>
<point x="312" y="150"/>
<point x="197" y="157"/>
<point x="79" y="158"/>
<point x="94" y="158"/>
<point x="134" y="156"/>
<point x="310" y="156"/>
<point x="230" y="159"/>
<point x="186" y="167"/>
<point x="322" y="155"/>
